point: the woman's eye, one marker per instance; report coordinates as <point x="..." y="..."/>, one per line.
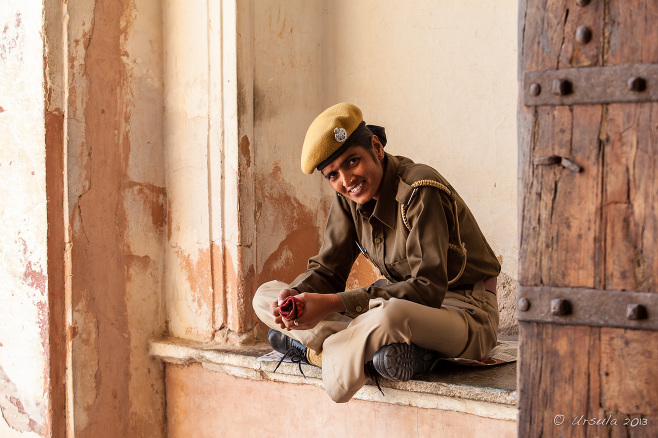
<point x="354" y="161"/>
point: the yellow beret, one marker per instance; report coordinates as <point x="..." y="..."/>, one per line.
<point x="328" y="133"/>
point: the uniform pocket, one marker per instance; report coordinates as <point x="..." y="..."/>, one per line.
<point x="400" y="269"/>
<point x="480" y="294"/>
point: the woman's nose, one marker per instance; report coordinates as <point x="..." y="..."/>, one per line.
<point x="347" y="179"/>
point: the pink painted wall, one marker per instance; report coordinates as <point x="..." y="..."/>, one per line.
<point x="207" y="404"/>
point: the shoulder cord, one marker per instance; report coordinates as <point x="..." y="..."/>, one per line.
<point x="459" y="248"/>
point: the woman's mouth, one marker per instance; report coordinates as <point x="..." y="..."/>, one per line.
<point x="356" y="189"/>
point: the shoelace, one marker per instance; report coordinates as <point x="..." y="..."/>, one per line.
<point x="296" y="356"/>
<point x="374" y="376"/>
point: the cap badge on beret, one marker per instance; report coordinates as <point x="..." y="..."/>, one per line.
<point x="340" y="134"/>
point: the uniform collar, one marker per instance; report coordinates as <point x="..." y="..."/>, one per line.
<point x="386" y="207"/>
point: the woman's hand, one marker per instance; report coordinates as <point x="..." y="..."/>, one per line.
<point x="316" y="308"/>
<point x="274" y="307"/>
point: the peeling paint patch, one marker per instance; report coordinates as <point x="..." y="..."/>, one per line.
<point x="71" y="333"/>
<point x="154" y="196"/>
<point x="363" y="273"/>
<point x="230" y="285"/>
<point x="12" y="39"/>
<point x="199" y="276"/>
<point x="218" y="277"/>
<point x="283" y="214"/>
<point x="290" y="258"/>
<point x="35" y="277"/>
<point x="14" y="411"/>
<point x="169" y="221"/>
<point x="44" y="326"/>
<point x="32" y="276"/>
<point x="233" y="293"/>
<point x="303" y="237"/>
<point x="244" y="150"/>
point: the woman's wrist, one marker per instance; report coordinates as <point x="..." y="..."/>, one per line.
<point x="336" y="303"/>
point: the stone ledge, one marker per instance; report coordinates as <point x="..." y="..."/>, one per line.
<point x="489" y="392"/>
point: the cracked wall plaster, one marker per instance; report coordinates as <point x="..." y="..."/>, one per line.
<point x="118" y="215"/>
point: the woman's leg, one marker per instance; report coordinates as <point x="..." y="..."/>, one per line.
<point x="464" y="327"/>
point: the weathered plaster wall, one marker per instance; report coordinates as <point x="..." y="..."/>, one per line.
<point x="117" y="204"/>
<point x="24" y="343"/>
<point x="291" y="209"/>
<point x="183" y="123"/>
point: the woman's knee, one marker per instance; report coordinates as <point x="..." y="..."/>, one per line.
<point x="392" y="313"/>
<point x="266" y="294"/>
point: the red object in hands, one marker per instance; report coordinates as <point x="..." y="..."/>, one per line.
<point x="291" y="308"/>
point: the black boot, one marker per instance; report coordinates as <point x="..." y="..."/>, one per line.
<point x="289" y="347"/>
<point x="400" y="362"/>
<point x="281" y="342"/>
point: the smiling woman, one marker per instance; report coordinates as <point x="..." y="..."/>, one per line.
<point x="437" y="299"/>
<point x="355" y="163"/>
<point x="357" y="173"/>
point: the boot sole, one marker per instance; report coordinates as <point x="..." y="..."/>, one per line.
<point x="400" y="362"/>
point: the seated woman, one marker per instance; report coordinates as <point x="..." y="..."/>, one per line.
<point x="438" y="299"/>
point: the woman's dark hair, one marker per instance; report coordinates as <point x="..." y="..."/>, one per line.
<point x="361" y="137"/>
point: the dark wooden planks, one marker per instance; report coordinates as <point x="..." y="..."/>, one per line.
<point x="596" y="228"/>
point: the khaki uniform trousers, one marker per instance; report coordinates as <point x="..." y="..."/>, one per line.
<point x="465" y="326"/>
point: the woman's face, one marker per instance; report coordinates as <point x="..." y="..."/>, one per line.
<point x="357" y="173"/>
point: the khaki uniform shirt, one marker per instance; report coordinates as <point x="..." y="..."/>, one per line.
<point x="417" y="263"/>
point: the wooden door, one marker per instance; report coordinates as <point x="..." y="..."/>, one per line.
<point x="588" y="134"/>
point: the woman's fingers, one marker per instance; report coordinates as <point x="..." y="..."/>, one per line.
<point x="285" y="293"/>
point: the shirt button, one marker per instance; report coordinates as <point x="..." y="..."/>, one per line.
<point x="359" y="308"/>
<point x="378" y="240"/>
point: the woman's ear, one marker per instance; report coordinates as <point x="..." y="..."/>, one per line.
<point x="377" y="146"/>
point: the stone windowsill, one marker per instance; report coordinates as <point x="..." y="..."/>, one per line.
<point x="487" y="392"/>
